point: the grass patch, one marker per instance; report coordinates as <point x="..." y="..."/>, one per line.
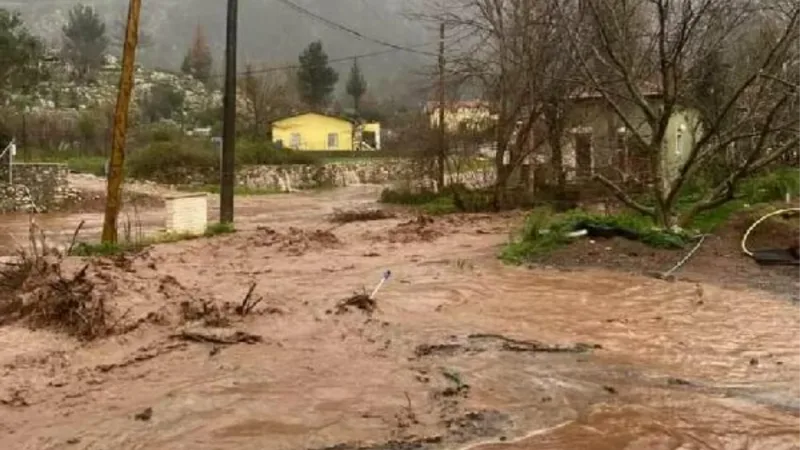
<point x="426" y="201"/>
<point x="219" y="228"/>
<point x="767" y="187"/>
<point x="545" y="231"/>
<point x="94" y="165"/>
<point x="453" y="199"/>
<point x="85" y="249"/>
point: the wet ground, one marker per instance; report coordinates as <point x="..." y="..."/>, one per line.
<point x="461" y="352"/>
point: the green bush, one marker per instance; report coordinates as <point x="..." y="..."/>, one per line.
<point x="265" y="153"/>
<point x="161" y="132"/>
<point x="454" y="198"/>
<point x="545" y="231"/>
<point x="174" y="161"/>
<point x="771" y="186"/>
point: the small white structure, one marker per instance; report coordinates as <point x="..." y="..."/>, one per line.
<point x="187" y="213"/>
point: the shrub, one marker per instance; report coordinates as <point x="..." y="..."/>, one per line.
<point x="454" y="198"/>
<point x="174" y="161"/>
<point x="265" y="153"/>
<point x="160" y="132"/>
<point x="772" y="186"/>
<point x="545" y="231"/>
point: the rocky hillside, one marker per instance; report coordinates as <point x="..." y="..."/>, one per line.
<point x="269" y="32"/>
<point x="62" y="94"/>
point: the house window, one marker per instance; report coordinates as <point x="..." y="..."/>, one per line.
<point x="333" y="141"/>
<point x="296" y="141"/>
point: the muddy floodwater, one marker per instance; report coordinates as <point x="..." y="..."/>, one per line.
<point x="460" y="351"/>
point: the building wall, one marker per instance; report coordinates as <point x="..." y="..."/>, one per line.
<point x="683" y="131"/>
<point x="596" y="118"/>
<point x="374" y="128"/>
<point x="313" y="131"/>
<point x="453" y="118"/>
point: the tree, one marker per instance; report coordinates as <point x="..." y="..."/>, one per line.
<point x="198" y="61"/>
<point x="515" y="52"/>
<point x="356" y="85"/>
<point x="162" y="102"/>
<point x="117" y="38"/>
<point x="268" y="97"/>
<point x="649" y="59"/>
<point x="21" y="54"/>
<point x="315" y="78"/>
<point x="85" y="41"/>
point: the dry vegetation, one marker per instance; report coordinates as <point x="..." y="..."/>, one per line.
<point x="43" y="291"/>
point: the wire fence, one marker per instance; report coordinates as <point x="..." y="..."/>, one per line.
<point x="41" y="135"/>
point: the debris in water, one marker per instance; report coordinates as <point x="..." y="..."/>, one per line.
<point x="610" y="389"/>
<point x="342" y="216"/>
<point x="218" y="336"/>
<point x="145" y="415"/>
<point x="385" y="277"/>
<point x="361" y="301"/>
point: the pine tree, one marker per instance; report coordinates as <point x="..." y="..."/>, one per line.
<point x="85" y="41"/>
<point x="315" y="78"/>
<point x="198" y="61"/>
<point x="21" y="53"/>
<point x="356" y="85"/>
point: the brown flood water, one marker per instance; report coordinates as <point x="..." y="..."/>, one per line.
<point x="462" y="352"/>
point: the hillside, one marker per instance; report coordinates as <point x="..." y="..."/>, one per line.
<point x="270" y="33"/>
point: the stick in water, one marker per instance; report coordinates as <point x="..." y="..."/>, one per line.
<point x="385" y="277"/>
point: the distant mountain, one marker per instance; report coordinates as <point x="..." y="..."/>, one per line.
<point x="270" y="33"/>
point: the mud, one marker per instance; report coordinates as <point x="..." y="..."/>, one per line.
<point x="462" y="352"/>
<point x="719" y="260"/>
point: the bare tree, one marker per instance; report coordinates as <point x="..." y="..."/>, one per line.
<point x="268" y="96"/>
<point x="117" y="32"/>
<point x="725" y="65"/>
<point x="516" y="50"/>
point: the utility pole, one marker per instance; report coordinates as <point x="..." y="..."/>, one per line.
<point x="114" y="190"/>
<point x="229" y="120"/>
<point x="442" y="156"/>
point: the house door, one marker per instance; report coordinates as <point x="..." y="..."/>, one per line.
<point x="583" y="155"/>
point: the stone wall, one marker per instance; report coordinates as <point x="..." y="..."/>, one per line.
<point x="300" y="177"/>
<point x="36" y="186"/>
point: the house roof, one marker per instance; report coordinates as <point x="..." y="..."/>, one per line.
<point x="332" y="116"/>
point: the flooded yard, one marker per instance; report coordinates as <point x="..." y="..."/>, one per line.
<point x="461" y="352"/>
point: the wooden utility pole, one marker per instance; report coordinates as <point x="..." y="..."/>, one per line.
<point x="114" y="190"/>
<point x="229" y="120"/>
<point x="442" y="155"/>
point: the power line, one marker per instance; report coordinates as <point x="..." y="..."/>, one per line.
<point x="334" y="60"/>
<point x="349" y="30"/>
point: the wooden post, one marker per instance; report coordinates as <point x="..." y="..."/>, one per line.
<point x="229" y="120"/>
<point x="114" y="191"/>
<point x="442" y="155"/>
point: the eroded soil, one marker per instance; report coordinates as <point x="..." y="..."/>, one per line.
<point x="239" y="342"/>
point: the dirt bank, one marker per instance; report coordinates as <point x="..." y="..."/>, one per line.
<point x="718" y="261"/>
<point x="460" y="352"/>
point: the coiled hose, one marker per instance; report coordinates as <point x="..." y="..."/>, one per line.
<point x="757" y="223"/>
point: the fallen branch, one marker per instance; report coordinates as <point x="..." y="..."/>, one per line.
<point x="247" y="306"/>
<point x="214" y="337"/>
<point x="75" y="237"/>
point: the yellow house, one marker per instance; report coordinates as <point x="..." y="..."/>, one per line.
<point x="322" y="132"/>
